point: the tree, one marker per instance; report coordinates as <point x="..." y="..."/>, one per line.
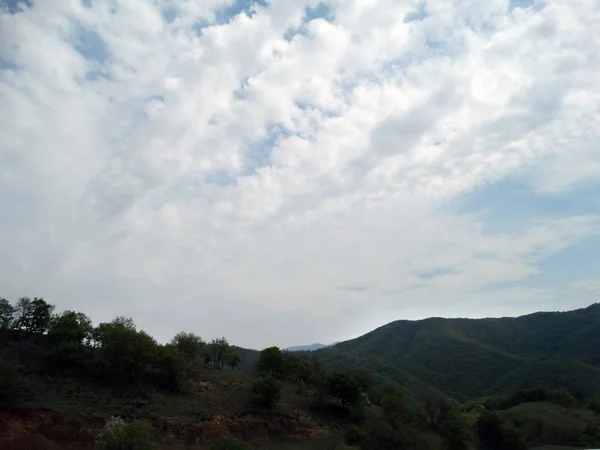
<point x="267" y="390"/>
<point x="271" y="361"/>
<point x="437" y="409"/>
<point x="455" y="432"/>
<point x="233" y="360"/>
<point x="496" y="434"/>
<point x="189" y="344"/>
<point x="119" y="435"/>
<point x="6" y="315"/>
<point x="218" y="349"/>
<point x="124" y="351"/>
<point x="32" y="316"/>
<point x="343" y="387"/>
<point x="594" y="405"/>
<point x="172" y="367"/>
<point x="70" y="326"/>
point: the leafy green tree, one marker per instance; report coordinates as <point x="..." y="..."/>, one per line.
<point x="218" y="349"/>
<point x="594" y="405"/>
<point x="395" y="409"/>
<point x="233" y="360"/>
<point x="345" y="388"/>
<point x="271" y="361"/>
<point x="32" y="316"/>
<point x="171" y="367"/>
<point x="455" y="431"/>
<point x="302" y="389"/>
<point x="119" y="435"/>
<point x="267" y="391"/>
<point x="70" y="326"/>
<point x="437" y="408"/>
<point x="6" y="315"/>
<point x="189" y="344"/>
<point x="496" y="434"/>
<point x="123" y="351"/>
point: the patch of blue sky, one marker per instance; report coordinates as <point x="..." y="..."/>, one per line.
<point x="537" y="5"/>
<point x="438" y="272"/>
<point x="15" y="6"/>
<point x="258" y="154"/>
<point x="575" y="262"/>
<point x="7" y="65"/>
<point x="321" y="11"/>
<point x="360" y="287"/>
<point x="221" y="178"/>
<point x="90" y="44"/>
<point x="505" y="205"/>
<point x="418" y="14"/>
<point x="226" y="13"/>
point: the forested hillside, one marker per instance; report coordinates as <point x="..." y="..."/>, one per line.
<point x="468" y="358"/>
<point x="67" y="384"/>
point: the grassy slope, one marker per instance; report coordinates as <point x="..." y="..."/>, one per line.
<point x="470" y="357"/>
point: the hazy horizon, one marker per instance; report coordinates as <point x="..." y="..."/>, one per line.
<point x="288" y="172"/>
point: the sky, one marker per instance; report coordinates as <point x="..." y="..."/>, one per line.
<point x="292" y="171"/>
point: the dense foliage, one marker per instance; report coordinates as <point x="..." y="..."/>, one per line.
<point x="467" y="358"/>
<point x="120" y="435"/>
<point x="376" y="412"/>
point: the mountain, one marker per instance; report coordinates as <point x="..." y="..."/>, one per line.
<point x="468" y="358"/>
<point x="306" y="348"/>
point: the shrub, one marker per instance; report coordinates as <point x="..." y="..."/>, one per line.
<point x="119" y="435"/>
<point x="496" y="434"/>
<point x="594" y="406"/>
<point x="356" y="436"/>
<point x="227" y="443"/>
<point x="267" y="391"/>
<point x="13" y="385"/>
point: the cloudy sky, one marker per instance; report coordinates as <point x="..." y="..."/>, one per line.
<point x="295" y="171"/>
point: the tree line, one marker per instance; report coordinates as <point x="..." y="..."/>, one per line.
<point x="115" y="351"/>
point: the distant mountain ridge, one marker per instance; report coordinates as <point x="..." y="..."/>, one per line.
<point x="307" y="348"/>
<point x="468" y="358"/>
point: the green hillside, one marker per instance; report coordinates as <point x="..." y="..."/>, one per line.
<point x="468" y="358"/>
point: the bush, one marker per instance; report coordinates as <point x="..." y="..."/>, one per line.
<point x="267" y="391"/>
<point x="227" y="443"/>
<point x="118" y="435"/>
<point x="594" y="406"/>
<point x="356" y="436"/>
<point x="13" y="385"/>
<point x="496" y="434"/>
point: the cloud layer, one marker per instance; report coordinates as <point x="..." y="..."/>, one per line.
<point x="299" y="171"/>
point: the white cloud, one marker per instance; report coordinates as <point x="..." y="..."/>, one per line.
<point x="229" y="177"/>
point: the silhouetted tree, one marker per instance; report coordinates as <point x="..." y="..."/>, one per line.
<point x="496" y="434"/>
<point x="32" y="316"/>
<point x="233" y="360"/>
<point x="267" y="390"/>
<point x="437" y="408"/>
<point x="271" y="361"/>
<point x="124" y="351"/>
<point x="70" y="326"/>
<point x="218" y="349"/>
<point x="6" y="314"/>
<point x="343" y="387"/>
<point x="189" y="344"/>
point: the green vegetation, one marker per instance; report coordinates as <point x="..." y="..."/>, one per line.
<point x="267" y="391"/>
<point x="468" y="358"/>
<point x="181" y="396"/>
<point x="119" y="435"/>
